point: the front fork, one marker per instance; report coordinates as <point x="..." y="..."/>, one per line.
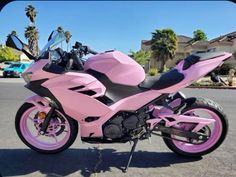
<point x="46" y="106"/>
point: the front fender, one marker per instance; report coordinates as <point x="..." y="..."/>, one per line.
<point x="41" y="103"/>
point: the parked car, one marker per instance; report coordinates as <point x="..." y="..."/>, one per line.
<point x="15" y="69"/>
<point x="5" y="64"/>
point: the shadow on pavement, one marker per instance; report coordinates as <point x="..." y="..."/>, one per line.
<point x="14" y="162"/>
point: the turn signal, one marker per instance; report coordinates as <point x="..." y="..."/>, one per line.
<point x="42" y="115"/>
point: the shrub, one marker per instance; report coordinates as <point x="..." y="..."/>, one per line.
<point x="141" y="56"/>
<point x="224" y="69"/>
<point x="153" y="71"/>
<point x="6" y="54"/>
<point x="166" y="69"/>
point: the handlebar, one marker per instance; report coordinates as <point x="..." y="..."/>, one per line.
<point x="91" y="51"/>
<point x="84" y="49"/>
<point x="72" y="60"/>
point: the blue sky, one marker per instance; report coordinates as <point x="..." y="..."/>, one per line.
<point x="120" y="25"/>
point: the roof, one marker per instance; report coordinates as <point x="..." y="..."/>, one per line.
<point x="227" y="37"/>
<point x="183" y="39"/>
<point x="197" y="43"/>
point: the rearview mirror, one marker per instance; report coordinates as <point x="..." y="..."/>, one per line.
<point x="14" y="42"/>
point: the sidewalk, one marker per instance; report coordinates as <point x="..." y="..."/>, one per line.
<point x="206" y="82"/>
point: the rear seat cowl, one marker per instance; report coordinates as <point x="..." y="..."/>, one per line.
<point x="192" y="59"/>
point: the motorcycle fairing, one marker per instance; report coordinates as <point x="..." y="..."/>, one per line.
<point x="118" y="67"/>
<point x="76" y="102"/>
<point x="79" y="105"/>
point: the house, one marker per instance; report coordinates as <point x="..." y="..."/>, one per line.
<point x="21" y="55"/>
<point x="187" y="46"/>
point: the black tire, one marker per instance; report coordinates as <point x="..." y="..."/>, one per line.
<point x="4" y="75"/>
<point x="72" y="123"/>
<point x="201" y="103"/>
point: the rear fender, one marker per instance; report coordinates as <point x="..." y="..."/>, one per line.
<point x="41" y="103"/>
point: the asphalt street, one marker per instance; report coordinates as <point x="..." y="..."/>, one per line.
<point x="152" y="160"/>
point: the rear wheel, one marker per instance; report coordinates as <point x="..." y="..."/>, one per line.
<point x="208" y="109"/>
<point x="60" y="134"/>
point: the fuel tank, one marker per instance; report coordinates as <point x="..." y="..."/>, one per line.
<point x="118" y="67"/>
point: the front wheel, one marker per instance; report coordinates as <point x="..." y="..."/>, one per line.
<point x="208" y="109"/>
<point x="60" y="134"/>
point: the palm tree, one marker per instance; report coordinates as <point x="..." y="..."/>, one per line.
<point x="60" y="29"/>
<point x="31" y="13"/>
<point x="31" y="32"/>
<point x="68" y="36"/>
<point x="163" y="46"/>
<point x="32" y="35"/>
<point x="13" y="33"/>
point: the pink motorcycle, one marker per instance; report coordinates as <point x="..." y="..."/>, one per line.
<point x="113" y="101"/>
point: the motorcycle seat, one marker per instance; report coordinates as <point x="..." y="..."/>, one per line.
<point x="163" y="81"/>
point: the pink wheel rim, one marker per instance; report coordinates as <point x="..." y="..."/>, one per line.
<point x="36" y="140"/>
<point x="215" y="135"/>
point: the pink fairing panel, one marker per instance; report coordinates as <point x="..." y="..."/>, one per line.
<point x="75" y="104"/>
<point x="41" y="103"/>
<point x="118" y="67"/>
<point x="195" y="72"/>
<point x="131" y="103"/>
<point x="37" y="70"/>
<point x="134" y="102"/>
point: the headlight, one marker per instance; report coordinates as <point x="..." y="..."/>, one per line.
<point x="27" y="76"/>
<point x="54" y="56"/>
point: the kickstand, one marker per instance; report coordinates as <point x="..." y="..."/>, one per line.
<point x="130" y="155"/>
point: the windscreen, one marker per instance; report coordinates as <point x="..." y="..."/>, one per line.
<point x="56" y="39"/>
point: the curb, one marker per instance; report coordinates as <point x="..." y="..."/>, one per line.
<point x="213" y="87"/>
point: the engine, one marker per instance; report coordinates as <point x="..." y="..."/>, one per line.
<point x="123" y="124"/>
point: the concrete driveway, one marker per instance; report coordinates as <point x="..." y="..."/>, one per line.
<point x="152" y="160"/>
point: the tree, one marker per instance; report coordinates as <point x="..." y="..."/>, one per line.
<point x="199" y="35"/>
<point x="31" y="13"/>
<point x="163" y="46"/>
<point x="68" y="36"/>
<point x="31" y="32"/>
<point x="32" y="35"/>
<point x="7" y="54"/>
<point x="141" y="56"/>
<point x="60" y="29"/>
